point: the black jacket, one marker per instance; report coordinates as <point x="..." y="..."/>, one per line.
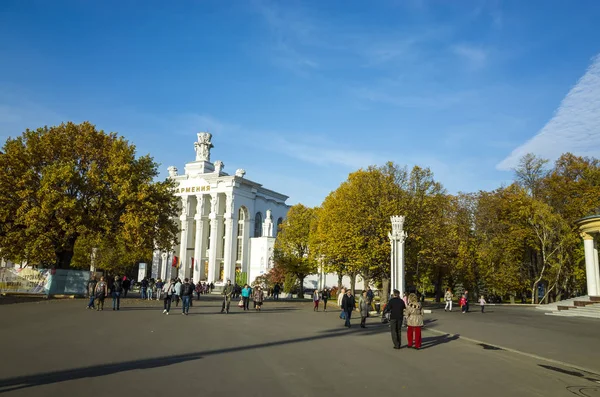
<point x="117" y="286"/>
<point x="325" y="295"/>
<point x="187" y="289"/>
<point x="348" y="303"/>
<point x="396" y="308"/>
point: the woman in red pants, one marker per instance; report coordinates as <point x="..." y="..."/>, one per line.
<point x="414" y="320"/>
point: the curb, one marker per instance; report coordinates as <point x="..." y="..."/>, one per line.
<point x="508" y="349"/>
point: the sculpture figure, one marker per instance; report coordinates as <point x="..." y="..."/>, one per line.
<point x="203" y="146"/>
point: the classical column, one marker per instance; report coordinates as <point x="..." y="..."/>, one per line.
<point x="597" y="265"/>
<point x="214" y="237"/>
<point x="228" y="257"/>
<point x="397" y="238"/>
<point x="164" y="267"/>
<point x="183" y="259"/>
<point x="591" y="270"/>
<point x="199" y="242"/>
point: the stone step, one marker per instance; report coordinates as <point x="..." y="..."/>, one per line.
<point x="573" y="314"/>
<point x="583" y="303"/>
<point x="591" y="309"/>
<point x="595" y="298"/>
<point x="564" y="307"/>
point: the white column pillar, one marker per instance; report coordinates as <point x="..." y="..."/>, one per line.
<point x="183" y="260"/>
<point x="590" y="264"/>
<point x="164" y="266"/>
<point x="397" y="238"/>
<point x="597" y="266"/>
<point x="214" y="238"/>
<point x="199" y="243"/>
<point x="228" y="257"/>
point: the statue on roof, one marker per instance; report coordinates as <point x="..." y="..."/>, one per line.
<point x="203" y="146"/>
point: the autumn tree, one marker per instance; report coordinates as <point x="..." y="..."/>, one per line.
<point x="292" y="247"/>
<point x="70" y="188"/>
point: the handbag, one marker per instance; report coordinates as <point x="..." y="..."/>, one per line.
<point x="241" y="303"/>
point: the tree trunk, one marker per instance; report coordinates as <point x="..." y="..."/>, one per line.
<point x="385" y="292"/>
<point x="352" y="282"/>
<point x="340" y="278"/>
<point x="438" y="287"/>
<point x="301" y="290"/>
<point x="63" y="259"/>
<point x="366" y="282"/>
<point x="65" y="255"/>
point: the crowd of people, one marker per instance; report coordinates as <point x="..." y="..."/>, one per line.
<point x="399" y="312"/>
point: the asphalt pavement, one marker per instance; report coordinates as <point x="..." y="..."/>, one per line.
<point x="57" y="348"/>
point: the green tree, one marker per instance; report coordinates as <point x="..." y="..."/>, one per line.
<point x="70" y="188"/>
<point x="292" y="247"/>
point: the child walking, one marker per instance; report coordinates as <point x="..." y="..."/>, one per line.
<point x="482" y="302"/>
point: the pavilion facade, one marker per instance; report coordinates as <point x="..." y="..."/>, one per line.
<point x="227" y="223"/>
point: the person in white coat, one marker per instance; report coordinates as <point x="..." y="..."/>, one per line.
<point x="448" y="298"/>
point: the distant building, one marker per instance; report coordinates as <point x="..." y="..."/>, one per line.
<point x="228" y="223"/>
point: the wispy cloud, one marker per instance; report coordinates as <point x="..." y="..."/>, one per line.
<point x="575" y="126"/>
<point x="405" y="99"/>
<point x="319" y="151"/>
<point x="475" y="57"/>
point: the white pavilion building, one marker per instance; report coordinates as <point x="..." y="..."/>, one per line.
<point x="228" y="223"/>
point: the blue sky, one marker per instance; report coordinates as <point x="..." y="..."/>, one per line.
<point x="302" y="93"/>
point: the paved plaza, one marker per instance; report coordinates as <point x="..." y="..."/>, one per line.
<point x="57" y="348"/>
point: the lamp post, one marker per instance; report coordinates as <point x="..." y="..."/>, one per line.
<point x="397" y="238"/>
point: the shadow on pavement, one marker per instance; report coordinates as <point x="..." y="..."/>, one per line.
<point x="432" y="341"/>
<point x="23" y="382"/>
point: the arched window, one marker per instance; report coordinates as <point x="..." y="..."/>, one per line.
<point x="279" y="222"/>
<point x="258" y="220"/>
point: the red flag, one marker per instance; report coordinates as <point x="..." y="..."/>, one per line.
<point x="175" y="261"/>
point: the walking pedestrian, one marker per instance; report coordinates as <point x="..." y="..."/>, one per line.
<point x="100" y="293"/>
<point x="246" y="297"/>
<point x="482" y="303"/>
<point x="276" y="290"/>
<point x="91" y="289"/>
<point x="159" y="288"/>
<point x="325" y="298"/>
<point x="169" y="290"/>
<point x="448" y="298"/>
<point x="259" y="296"/>
<point x="187" y="290"/>
<point x="151" y="287"/>
<point x="143" y="288"/>
<point x="227" y="293"/>
<point x="363" y="307"/>
<point x="414" y="319"/>
<point x="177" y="293"/>
<point x="198" y="289"/>
<point x="463" y="304"/>
<point x="316" y="299"/>
<point x="395" y="308"/>
<point x="467" y="301"/>
<point x="348" y="305"/>
<point x="116" y="289"/>
<point x="340" y="298"/>
<point x="370" y="298"/>
<point x="126" y="285"/>
<point x="405" y="300"/>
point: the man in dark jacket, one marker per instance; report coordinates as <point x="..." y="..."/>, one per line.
<point x="116" y="290"/>
<point x="396" y="308"/>
<point x="91" y="287"/>
<point x="227" y="294"/>
<point x="348" y="305"/>
<point x="126" y="285"/>
<point x="187" y="290"/>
